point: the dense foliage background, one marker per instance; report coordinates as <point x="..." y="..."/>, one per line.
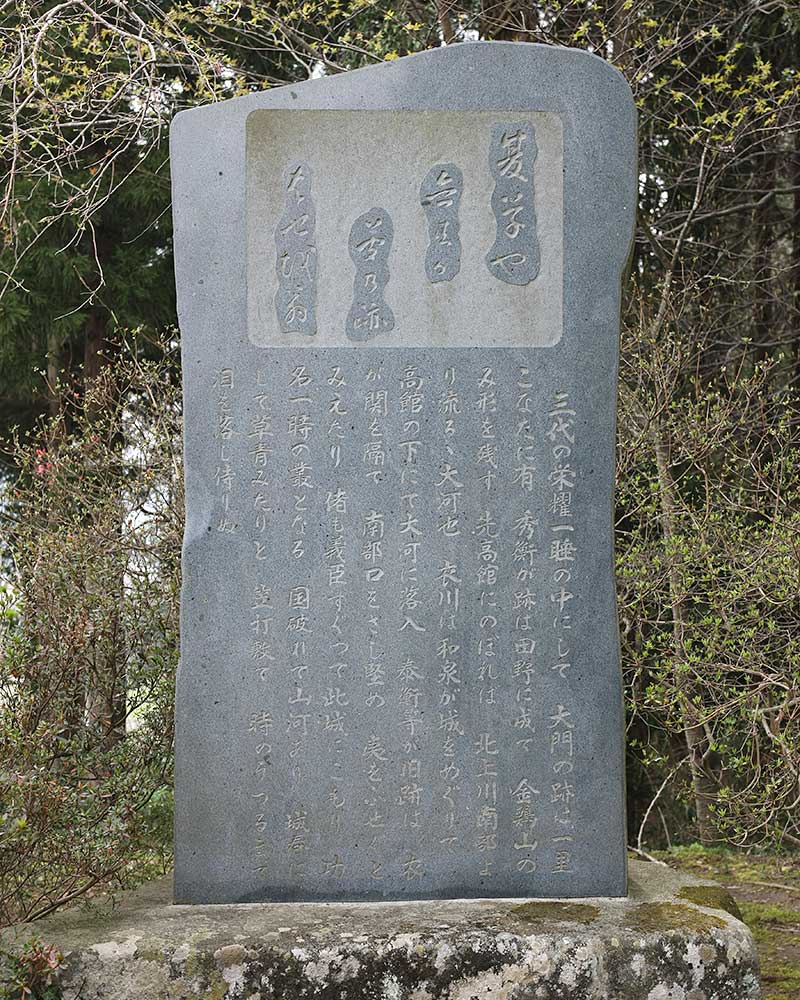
<point x="708" y="527"/>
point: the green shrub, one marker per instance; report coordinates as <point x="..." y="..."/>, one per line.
<point x="30" y="972"/>
<point x="89" y="643"/>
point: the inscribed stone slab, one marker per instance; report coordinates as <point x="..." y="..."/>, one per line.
<point x="399" y="301"/>
<point x="358" y="159"/>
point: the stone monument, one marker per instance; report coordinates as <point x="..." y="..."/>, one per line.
<point x="399" y="295"/>
<point x="399" y="300"/>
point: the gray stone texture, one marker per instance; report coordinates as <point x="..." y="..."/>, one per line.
<point x="400" y="668"/>
<point x="514" y="257"/>
<point x="370" y="246"/>
<point x="673" y="939"/>
<point x="366" y="158"/>
<point x="440" y="197"/>
<point x="296" y="255"/>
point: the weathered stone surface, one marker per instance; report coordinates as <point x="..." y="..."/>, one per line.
<point x="399" y="649"/>
<point x="654" y="945"/>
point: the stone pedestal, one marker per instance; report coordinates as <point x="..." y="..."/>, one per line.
<point x="673" y="938"/>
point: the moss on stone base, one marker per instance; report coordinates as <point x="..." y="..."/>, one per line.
<point x="669" y="939"/>
<point x="652" y="918"/>
<point x="576" y="913"/>
<point x="712" y="896"/>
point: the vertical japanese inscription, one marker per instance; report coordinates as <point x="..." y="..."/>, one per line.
<point x="523" y="678"/>
<point x="514" y="257"/>
<point x="440" y="195"/>
<point x="487" y="742"/>
<point x="426" y="520"/>
<point x="370" y="243"/>
<point x="296" y="255"/>
<point x="563" y="562"/>
<point x="225" y="472"/>
<point x="258" y="523"/>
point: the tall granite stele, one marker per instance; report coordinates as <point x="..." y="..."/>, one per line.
<point x="399" y="296"/>
<point x="399" y="300"/>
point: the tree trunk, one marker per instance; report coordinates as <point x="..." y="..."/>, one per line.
<point x="507" y="21"/>
<point x="618" y="19"/>
<point x="53" y="371"/>
<point x="105" y="687"/>
<point x="794" y="304"/>
<point x="94" y="358"/>
<point x="703" y="784"/>
<point x="445" y="22"/>
<point x="763" y="223"/>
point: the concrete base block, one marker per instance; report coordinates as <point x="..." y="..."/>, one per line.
<point x="673" y="938"/>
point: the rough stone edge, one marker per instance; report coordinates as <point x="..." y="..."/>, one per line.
<point x="657" y="944"/>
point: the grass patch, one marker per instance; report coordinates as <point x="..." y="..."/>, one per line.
<point x="777" y="934"/>
<point x="726" y="865"/>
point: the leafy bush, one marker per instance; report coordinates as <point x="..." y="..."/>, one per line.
<point x="708" y="564"/>
<point x="90" y="642"/>
<point x="30" y="972"/>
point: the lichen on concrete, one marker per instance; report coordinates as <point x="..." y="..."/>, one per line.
<point x="658" y="944"/>
<point x="579" y="913"/>
<point x="713" y="897"/>
<point x="662" y="917"/>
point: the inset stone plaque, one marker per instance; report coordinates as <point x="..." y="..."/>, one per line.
<point x="399" y="300"/>
<point x="494" y="206"/>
